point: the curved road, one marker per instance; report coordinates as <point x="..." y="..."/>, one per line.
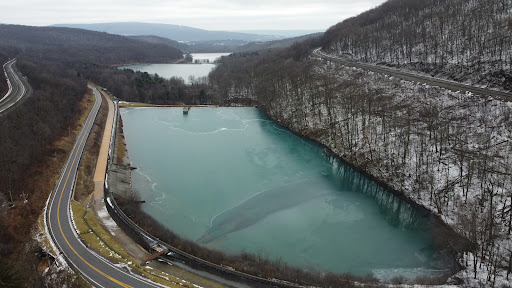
<point x="95" y="269"/>
<point x="451" y="85"/>
<point x="18" y="87"/>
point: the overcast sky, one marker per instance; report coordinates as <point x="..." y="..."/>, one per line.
<point x="210" y="15"/>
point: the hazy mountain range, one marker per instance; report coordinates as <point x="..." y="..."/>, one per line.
<point x="189" y="39"/>
<point x="174" y="32"/>
<point x="282" y="33"/>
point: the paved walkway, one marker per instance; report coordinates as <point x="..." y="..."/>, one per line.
<point x="122" y="184"/>
<point x="98" y="194"/>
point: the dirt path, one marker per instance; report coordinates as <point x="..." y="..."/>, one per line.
<point x="110" y="225"/>
<point x="98" y="194"/>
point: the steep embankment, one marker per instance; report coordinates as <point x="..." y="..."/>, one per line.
<point x="446" y="150"/>
<point x="461" y="40"/>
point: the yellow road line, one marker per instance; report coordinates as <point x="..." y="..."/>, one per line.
<point x="60" y="227"/>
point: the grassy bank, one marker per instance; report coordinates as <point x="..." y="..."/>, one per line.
<point x="92" y="231"/>
<point x="84" y="182"/>
<point x="101" y="241"/>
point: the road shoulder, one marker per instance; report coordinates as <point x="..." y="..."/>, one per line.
<point x="98" y="195"/>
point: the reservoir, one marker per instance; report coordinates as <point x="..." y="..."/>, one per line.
<point x="231" y="179"/>
<point x="184" y="71"/>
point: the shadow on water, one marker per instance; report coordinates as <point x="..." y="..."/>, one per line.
<point x="395" y="210"/>
<point x="406" y="216"/>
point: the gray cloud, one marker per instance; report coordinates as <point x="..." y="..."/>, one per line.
<point x="218" y="15"/>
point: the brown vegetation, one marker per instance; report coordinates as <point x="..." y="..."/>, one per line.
<point x="459" y="39"/>
<point x="37" y="181"/>
<point x="85" y="183"/>
<point x="121" y="149"/>
<point x="134" y="86"/>
<point x="446" y="150"/>
<point x="71" y="46"/>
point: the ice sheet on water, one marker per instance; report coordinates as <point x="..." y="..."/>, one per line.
<point x="407" y="273"/>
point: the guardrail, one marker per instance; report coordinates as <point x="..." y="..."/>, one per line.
<point x="16" y="79"/>
<point x="52" y="194"/>
<point x="147" y="240"/>
<point x="444" y="83"/>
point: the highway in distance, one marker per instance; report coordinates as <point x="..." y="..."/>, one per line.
<point x="18" y="87"/>
<point x="95" y="269"/>
<point x="450" y="85"/>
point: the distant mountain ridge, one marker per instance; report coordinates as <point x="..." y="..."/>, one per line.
<point x="68" y="44"/>
<point x="283" y="33"/>
<point x="174" y="32"/>
<point x="161" y="40"/>
<point x="277" y="44"/>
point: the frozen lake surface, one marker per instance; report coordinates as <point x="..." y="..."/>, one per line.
<point x="184" y="71"/>
<point x="233" y="180"/>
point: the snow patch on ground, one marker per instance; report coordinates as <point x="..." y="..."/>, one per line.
<point x="43" y="237"/>
<point x="106" y="219"/>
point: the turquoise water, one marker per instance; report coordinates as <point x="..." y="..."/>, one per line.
<point x="232" y="180"/>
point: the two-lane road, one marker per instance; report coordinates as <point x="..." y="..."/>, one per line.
<point x="450" y="85"/>
<point x="18" y="87"/>
<point x="95" y="269"/>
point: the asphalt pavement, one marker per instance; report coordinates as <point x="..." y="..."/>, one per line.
<point x="447" y="84"/>
<point x="18" y="87"/>
<point x="94" y="268"/>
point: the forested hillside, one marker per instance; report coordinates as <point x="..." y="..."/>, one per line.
<point x="76" y="45"/>
<point x="162" y="40"/>
<point x="3" y="81"/>
<point x="276" y="44"/>
<point x="26" y="132"/>
<point x="448" y="151"/>
<point x="50" y="59"/>
<point x="136" y="86"/>
<point x="464" y="40"/>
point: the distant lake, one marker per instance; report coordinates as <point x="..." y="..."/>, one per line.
<point x="183" y="71"/>
<point x="212" y="57"/>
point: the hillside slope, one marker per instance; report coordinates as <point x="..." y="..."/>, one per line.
<point x="277" y="44"/>
<point x="72" y="45"/>
<point x="459" y="39"/>
<point x="161" y="40"/>
<point x="446" y="150"/>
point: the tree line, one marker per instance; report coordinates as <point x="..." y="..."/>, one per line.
<point x="445" y="150"/>
<point x="459" y="39"/>
<point x="136" y="86"/>
<point x="72" y="46"/>
<point x="26" y="132"/>
<point x="448" y="151"/>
